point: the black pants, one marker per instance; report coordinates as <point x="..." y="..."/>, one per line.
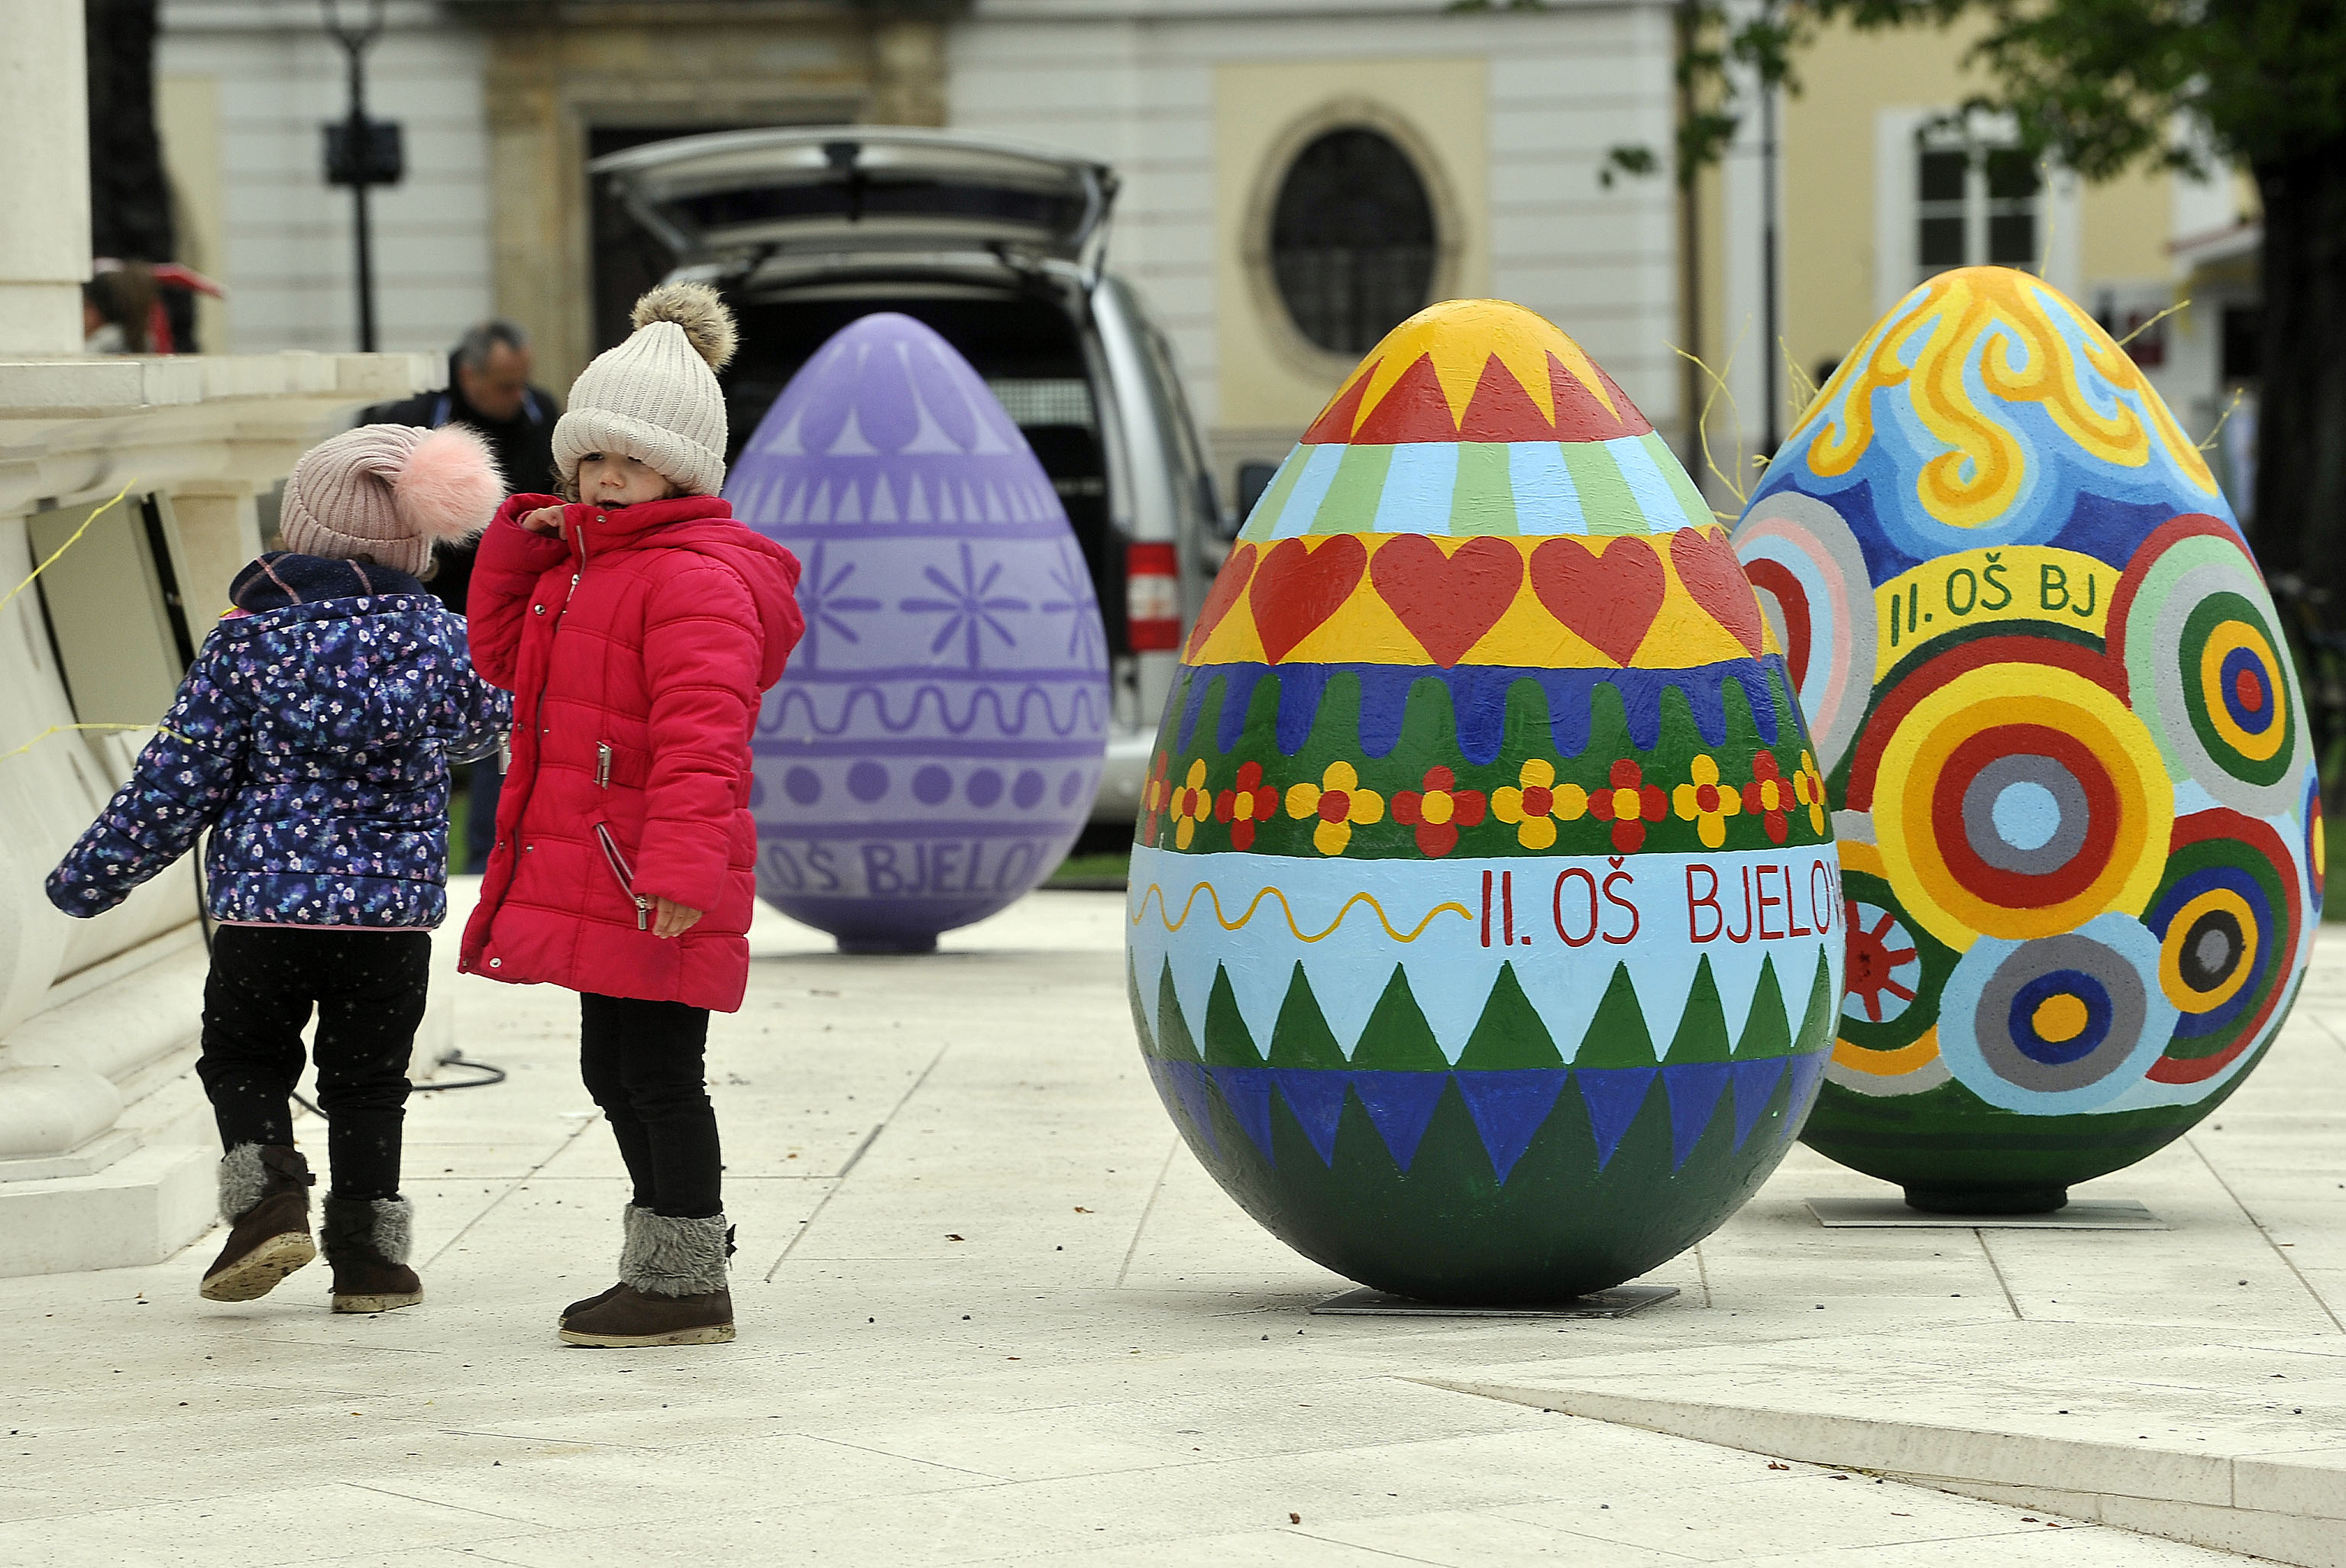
<point x="368" y="987"/>
<point x="646" y="1064"/>
<point x="484" y="788"/>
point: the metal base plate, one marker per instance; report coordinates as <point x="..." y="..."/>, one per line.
<point x="1890" y="1213"/>
<point x="1617" y="1302"/>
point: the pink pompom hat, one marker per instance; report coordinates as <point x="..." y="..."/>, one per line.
<point x="388" y="492"/>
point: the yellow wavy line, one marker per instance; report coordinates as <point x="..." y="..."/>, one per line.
<point x="1165" y="913"/>
<point x="62" y="729"/>
<point x="71" y="540"/>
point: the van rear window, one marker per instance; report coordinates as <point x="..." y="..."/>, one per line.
<point x="1064" y="401"/>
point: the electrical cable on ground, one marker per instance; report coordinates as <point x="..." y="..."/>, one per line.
<point x="490" y="1074"/>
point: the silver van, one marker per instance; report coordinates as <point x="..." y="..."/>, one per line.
<point x="998" y="245"/>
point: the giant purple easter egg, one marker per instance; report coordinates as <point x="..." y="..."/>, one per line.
<point x="934" y="746"/>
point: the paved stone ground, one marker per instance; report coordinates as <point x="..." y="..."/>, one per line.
<point x="991" y="1312"/>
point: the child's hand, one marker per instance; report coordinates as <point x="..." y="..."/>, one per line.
<point x="544" y="520"/>
<point x="672" y="919"/>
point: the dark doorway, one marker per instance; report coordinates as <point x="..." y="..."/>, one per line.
<point x="628" y="258"/>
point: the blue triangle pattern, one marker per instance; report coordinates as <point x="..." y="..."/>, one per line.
<point x="1400" y="1108"/>
<point x="1190" y="1087"/>
<point x="1755" y="1083"/>
<point x="1317" y="1097"/>
<point x="1694" y="1089"/>
<point x="1808" y="1074"/>
<point x="1509" y="1105"/>
<point x="1247" y="1092"/>
<point x="1613" y="1096"/>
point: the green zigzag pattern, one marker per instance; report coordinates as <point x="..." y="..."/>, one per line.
<point x="1508" y="1034"/>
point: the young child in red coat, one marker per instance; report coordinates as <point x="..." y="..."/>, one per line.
<point x="638" y="624"/>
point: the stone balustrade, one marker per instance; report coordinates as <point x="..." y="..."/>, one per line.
<point x="106" y="1145"/>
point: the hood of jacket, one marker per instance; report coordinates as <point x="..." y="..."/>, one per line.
<point x="706" y="526"/>
<point x="283" y="578"/>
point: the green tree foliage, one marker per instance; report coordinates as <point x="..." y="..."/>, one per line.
<point x="2102" y="86"/>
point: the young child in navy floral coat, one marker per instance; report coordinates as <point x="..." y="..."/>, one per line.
<point x="312" y="737"/>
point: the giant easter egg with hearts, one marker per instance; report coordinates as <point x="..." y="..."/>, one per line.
<point x="1485" y="919"/>
<point x="934" y="746"/>
<point x="2079" y="815"/>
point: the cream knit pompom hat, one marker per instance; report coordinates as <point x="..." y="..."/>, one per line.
<point x="387" y="492"/>
<point x="654" y="398"/>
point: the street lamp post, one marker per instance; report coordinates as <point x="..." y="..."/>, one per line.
<point x="361" y="153"/>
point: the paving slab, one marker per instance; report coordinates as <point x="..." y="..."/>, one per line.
<point x="992" y="1311"/>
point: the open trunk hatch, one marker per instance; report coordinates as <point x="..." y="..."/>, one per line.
<point x="856" y="188"/>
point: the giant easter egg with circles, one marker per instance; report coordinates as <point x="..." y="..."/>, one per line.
<point x="1485" y="920"/>
<point x="2079" y="817"/>
<point x="934" y="746"/>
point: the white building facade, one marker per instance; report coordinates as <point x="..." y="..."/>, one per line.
<point x="1201" y="106"/>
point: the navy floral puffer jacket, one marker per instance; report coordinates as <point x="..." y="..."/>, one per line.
<point x="313" y="737"/>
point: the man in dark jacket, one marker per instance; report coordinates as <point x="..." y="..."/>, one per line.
<point x="489" y="390"/>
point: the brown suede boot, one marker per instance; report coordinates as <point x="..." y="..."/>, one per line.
<point x="367" y="1241"/>
<point x="591" y="1302"/>
<point x="265" y="1198"/>
<point x="671" y="1288"/>
<point x="630" y="1223"/>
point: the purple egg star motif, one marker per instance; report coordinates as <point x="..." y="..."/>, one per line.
<point x="934" y="746"/>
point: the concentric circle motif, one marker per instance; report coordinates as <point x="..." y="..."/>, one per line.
<point x="2027" y="812"/>
<point x="2060" y="1023"/>
<point x="2238" y="704"/>
<point x="1887" y="1043"/>
<point x="2209" y="946"/>
<point x="1812" y="580"/>
<point x="2207" y="670"/>
<point x="2013" y="801"/>
<point x="2228" y="920"/>
<point x="2317" y="837"/>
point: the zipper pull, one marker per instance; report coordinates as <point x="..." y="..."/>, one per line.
<point x="643" y="914"/>
<point x="603" y="765"/>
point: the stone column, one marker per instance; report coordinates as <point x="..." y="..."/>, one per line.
<point x="539" y="246"/>
<point x="44" y="142"/>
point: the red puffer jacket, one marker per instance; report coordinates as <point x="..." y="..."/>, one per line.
<point x="637" y="646"/>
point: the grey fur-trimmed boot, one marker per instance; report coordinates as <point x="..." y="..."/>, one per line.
<point x="671" y="1290"/>
<point x="368" y="1241"/>
<point x="264" y="1195"/>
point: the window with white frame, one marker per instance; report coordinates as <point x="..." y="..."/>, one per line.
<point x="1974" y="203"/>
<point x="1960" y="192"/>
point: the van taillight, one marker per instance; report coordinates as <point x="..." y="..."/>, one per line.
<point x="1152" y="597"/>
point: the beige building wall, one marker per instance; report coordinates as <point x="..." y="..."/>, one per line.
<point x="1711" y="453"/>
<point x="1437" y="109"/>
<point x="1832" y="186"/>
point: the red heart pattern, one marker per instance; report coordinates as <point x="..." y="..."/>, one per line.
<point x="1447" y="602"/>
<point x="1297" y="589"/>
<point x="1707" y="567"/>
<point x="1610" y="599"/>
<point x="1228" y="585"/>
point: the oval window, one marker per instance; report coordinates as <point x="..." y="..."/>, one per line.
<point x="1352" y="240"/>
